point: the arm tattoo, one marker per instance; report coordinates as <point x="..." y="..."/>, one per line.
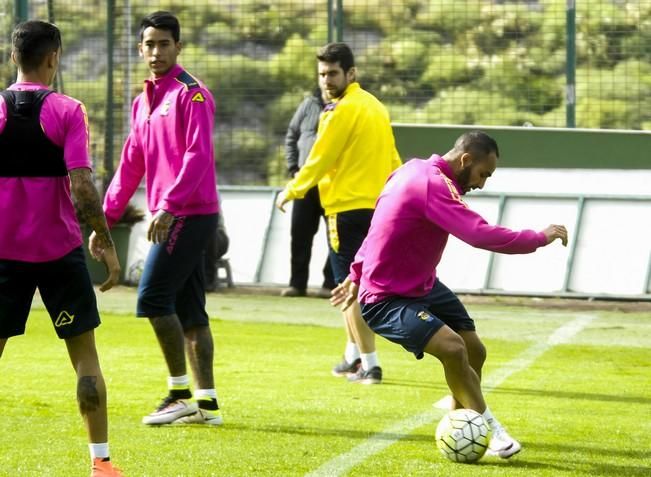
<point x="89" y="206"/>
<point x="87" y="394"/>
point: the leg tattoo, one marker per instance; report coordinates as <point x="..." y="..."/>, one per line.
<point x="87" y="394"/>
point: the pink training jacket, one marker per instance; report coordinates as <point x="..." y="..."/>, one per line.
<point x="37" y="219"/>
<point x="414" y="215"/>
<point x="170" y="144"/>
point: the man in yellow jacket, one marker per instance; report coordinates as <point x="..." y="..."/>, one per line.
<point x="352" y="157"/>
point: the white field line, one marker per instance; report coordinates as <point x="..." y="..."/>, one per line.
<point x="342" y="463"/>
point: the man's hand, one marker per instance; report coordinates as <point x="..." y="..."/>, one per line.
<point x="344" y="294"/>
<point x="110" y="259"/>
<point x="281" y="200"/>
<point x="95" y="249"/>
<point x="159" y="228"/>
<point x="106" y="254"/>
<point x="554" y="232"/>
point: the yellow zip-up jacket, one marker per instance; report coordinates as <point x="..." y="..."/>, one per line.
<point x="353" y="154"/>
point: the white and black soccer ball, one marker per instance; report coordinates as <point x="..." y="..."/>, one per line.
<point x="463" y="435"/>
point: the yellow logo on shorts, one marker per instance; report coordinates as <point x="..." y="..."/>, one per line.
<point x="64" y="319"/>
<point x="423" y="315"/>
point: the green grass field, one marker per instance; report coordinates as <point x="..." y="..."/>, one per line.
<point x="573" y="386"/>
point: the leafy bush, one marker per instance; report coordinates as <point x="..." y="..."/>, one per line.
<point x="295" y="65"/>
<point x="506" y="24"/>
<point x="607" y="114"/>
<point x="281" y="110"/>
<point x="450" y="18"/>
<point x="450" y="66"/>
<point x="243" y="146"/>
<point x="378" y="15"/>
<point x="218" y="34"/>
<point x="512" y="77"/>
<point x="408" y="56"/>
<point x="466" y="106"/>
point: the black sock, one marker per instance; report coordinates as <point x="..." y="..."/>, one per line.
<point x="181" y="393"/>
<point x="208" y="404"/>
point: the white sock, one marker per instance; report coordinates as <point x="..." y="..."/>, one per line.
<point x="100" y="450"/>
<point x="369" y="360"/>
<point x="205" y="393"/>
<point x="351" y="353"/>
<point x="178" y="382"/>
<point x="491" y="420"/>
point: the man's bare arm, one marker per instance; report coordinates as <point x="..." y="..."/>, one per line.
<point x="89" y="210"/>
<point x="89" y="205"/>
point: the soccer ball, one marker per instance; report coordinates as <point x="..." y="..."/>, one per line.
<point x="463" y="435"/>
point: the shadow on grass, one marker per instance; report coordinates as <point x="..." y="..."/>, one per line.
<point x="573" y="466"/>
<point x="312" y="431"/>
<point x="586" y="451"/>
<point x="573" y="395"/>
<point x="413" y="383"/>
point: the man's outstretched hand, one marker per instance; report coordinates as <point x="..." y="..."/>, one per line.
<point x="554" y="232"/>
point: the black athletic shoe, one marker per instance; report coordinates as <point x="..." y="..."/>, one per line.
<point x="346" y="369"/>
<point x="371" y="376"/>
<point x="292" y="292"/>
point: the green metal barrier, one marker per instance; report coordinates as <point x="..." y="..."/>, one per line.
<point x="530" y="147"/>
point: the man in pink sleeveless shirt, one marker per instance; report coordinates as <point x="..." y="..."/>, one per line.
<point x="44" y="144"/>
<point x="394" y="271"/>
<point x="170" y="145"/>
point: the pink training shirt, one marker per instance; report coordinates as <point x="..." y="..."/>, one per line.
<point x="37" y="218"/>
<point x="170" y="144"/>
<point x="415" y="213"/>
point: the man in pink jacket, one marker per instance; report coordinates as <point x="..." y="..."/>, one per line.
<point x="170" y="145"/>
<point x="394" y="272"/>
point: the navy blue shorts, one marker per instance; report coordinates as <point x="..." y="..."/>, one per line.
<point x="65" y="288"/>
<point x="346" y="232"/>
<point x="411" y="322"/>
<point x="173" y="279"/>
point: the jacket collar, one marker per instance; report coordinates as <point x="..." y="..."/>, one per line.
<point x="167" y="77"/>
<point x="445" y="168"/>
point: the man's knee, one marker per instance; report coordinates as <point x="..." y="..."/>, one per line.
<point x="196" y="332"/>
<point x="447" y="346"/>
<point x="453" y="348"/>
<point x="477" y="351"/>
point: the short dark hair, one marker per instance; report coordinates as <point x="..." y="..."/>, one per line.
<point x="162" y="20"/>
<point x="337" y="53"/>
<point x="477" y="142"/>
<point x="32" y="41"/>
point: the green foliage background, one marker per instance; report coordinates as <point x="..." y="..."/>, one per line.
<point x="476" y="62"/>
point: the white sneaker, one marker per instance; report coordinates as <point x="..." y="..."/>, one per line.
<point x="202" y="416"/>
<point x="170" y="410"/>
<point x="502" y="444"/>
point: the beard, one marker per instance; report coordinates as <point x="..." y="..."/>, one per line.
<point x="464" y="179"/>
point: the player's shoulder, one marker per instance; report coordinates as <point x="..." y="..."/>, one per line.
<point x="188" y="81"/>
<point x="62" y="101"/>
<point x="64" y="98"/>
<point x="192" y="87"/>
<point x="342" y="107"/>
